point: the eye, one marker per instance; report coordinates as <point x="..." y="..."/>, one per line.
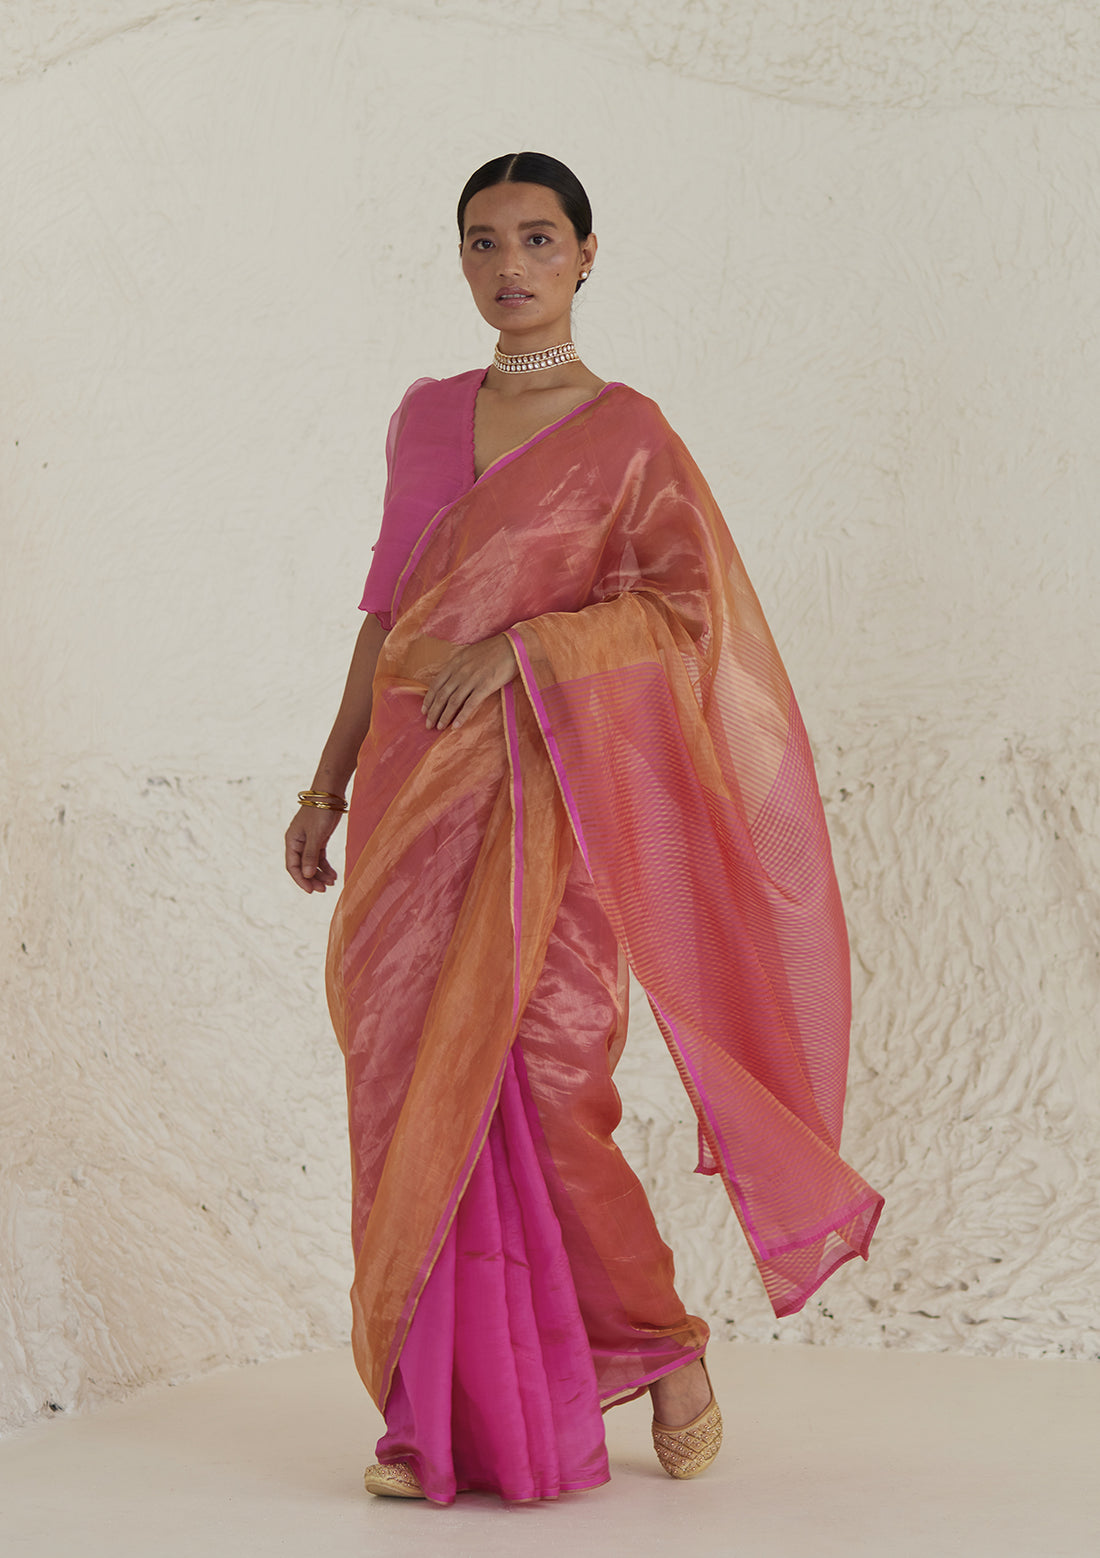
<point x="540" y="238"/>
<point x="477" y="243"/>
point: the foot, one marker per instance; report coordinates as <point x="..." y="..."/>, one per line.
<point x="393" y="1481"/>
<point x="679" y="1397"/>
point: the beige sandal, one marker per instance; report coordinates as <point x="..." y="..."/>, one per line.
<point x="393" y="1481"/>
<point x="687" y="1451"/>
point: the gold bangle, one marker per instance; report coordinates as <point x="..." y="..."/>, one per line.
<point x="323" y="799"/>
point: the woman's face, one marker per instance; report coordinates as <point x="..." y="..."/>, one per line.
<point x="522" y="260"/>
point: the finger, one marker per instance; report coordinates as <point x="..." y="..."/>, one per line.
<point x="442" y="676"/>
<point x="312" y="850"/>
<point x="453" y="706"/>
<point x="294" y="844"/>
<point x="294" y="861"/>
<point x="438" y="694"/>
<point x="428" y="707"/>
<point x="473" y="702"/>
<point x="439" y="704"/>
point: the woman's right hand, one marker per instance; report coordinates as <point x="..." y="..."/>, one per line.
<point x="314" y="825"/>
<point x="305" y="848"/>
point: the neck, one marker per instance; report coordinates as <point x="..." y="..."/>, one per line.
<point x="560" y="355"/>
<point x="513" y="343"/>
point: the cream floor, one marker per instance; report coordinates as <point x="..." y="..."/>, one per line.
<point x="900" y="1455"/>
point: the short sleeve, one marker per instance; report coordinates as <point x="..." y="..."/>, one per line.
<point x="391" y="550"/>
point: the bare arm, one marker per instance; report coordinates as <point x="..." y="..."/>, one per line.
<point x="313" y="826"/>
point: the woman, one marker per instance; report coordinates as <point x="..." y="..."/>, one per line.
<point x="575" y="750"/>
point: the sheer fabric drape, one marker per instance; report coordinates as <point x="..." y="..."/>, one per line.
<point x="644" y="790"/>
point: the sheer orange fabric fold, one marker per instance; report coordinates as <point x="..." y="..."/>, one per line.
<point x="654" y="728"/>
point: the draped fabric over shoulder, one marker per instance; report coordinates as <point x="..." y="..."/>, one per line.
<point x="642" y="794"/>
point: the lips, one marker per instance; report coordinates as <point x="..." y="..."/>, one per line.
<point x="513" y="295"/>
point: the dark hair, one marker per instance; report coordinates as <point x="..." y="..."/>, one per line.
<point x="531" y="167"/>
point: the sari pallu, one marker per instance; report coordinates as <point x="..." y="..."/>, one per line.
<point x="653" y="727"/>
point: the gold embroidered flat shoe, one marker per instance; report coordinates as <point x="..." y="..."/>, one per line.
<point x="393" y="1481"/>
<point x="685" y="1452"/>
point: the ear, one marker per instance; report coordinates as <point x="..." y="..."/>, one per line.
<point x="588" y="251"/>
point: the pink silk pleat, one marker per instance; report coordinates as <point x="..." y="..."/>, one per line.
<point x="495" y="1388"/>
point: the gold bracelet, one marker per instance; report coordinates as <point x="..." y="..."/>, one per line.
<point x="323" y="799"/>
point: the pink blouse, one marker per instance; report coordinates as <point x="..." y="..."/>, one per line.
<point x="434" y="470"/>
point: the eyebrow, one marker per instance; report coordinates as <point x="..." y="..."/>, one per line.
<point x="542" y="222"/>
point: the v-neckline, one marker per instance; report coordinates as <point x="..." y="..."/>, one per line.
<point x="511" y="454"/>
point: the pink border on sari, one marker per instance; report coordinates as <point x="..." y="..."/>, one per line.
<point x="517" y="837"/>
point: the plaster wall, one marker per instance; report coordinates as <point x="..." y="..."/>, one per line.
<point x="852" y="252"/>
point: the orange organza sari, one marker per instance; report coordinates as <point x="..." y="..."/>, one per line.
<point x="643" y="793"/>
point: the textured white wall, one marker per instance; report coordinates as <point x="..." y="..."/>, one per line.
<point x="852" y="251"/>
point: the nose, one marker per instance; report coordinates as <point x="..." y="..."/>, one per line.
<point x="509" y="260"/>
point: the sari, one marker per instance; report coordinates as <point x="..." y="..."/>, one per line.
<point x="640" y="797"/>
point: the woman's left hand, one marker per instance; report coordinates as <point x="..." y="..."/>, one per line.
<point x="470" y="676"/>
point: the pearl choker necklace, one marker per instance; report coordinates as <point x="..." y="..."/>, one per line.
<point x="531" y="362"/>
